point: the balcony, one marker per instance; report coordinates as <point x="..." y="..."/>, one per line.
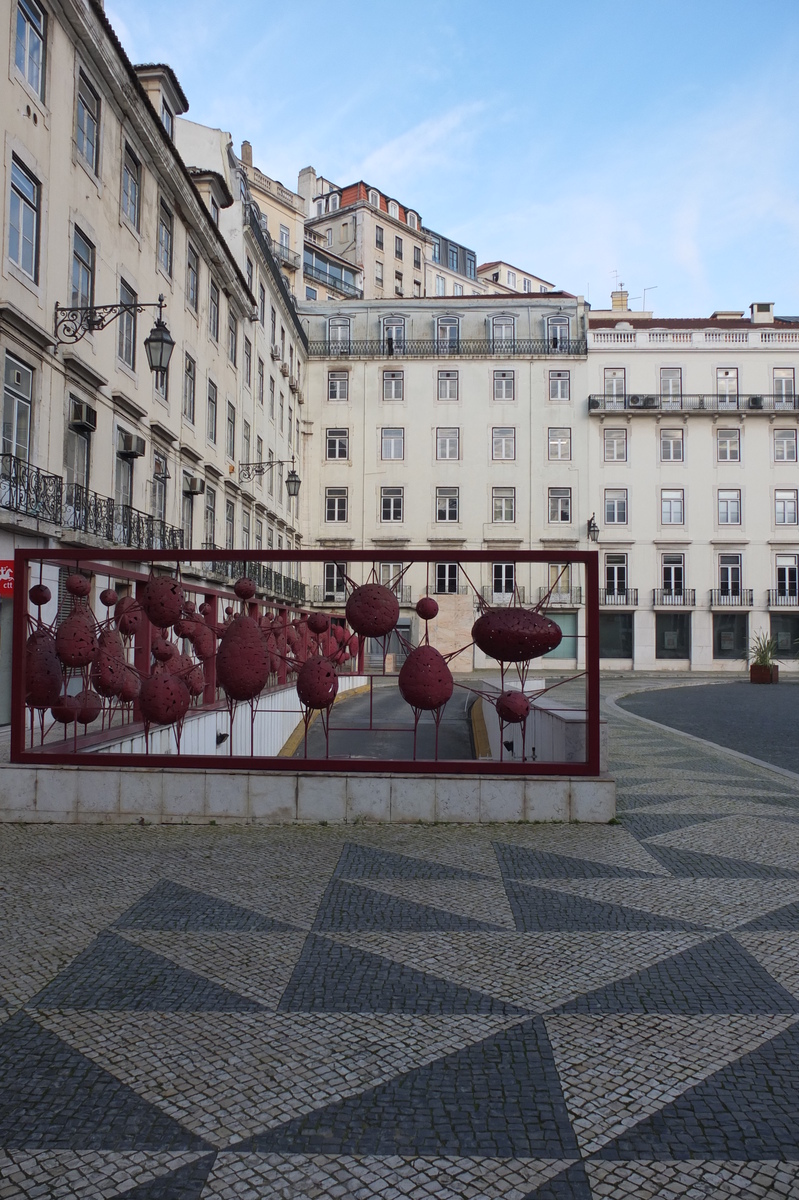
<point x="289" y="258"/>
<point x="650" y="402"/>
<point x="266" y="579"/>
<point x="783" y="598"/>
<point x="561" y="597"/>
<point x="501" y="599"/>
<point x="448" y="348"/>
<point x="731" y="598"/>
<point x="334" y="282"/>
<point x="618" y="597"/>
<point x="99" y="516"/>
<point x="671" y="598"/>
<point x="27" y="490"/>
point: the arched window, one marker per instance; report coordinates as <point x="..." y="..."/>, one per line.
<point x="502" y="329"/>
<point x="448" y="333"/>
<point x="334" y="202"/>
<point x="374" y="198"/>
<point x="339" y="335"/>
<point x="393" y="209"/>
<point x="558" y="333"/>
<point x="394" y="334"/>
<point x="413" y="220"/>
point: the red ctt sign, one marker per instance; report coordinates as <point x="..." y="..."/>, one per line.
<point x="6" y="578"/>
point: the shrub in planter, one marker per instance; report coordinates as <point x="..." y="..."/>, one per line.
<point x="763" y="659"/>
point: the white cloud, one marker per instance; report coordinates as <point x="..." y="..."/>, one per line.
<point x="431" y="145"/>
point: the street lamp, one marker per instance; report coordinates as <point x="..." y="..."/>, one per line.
<point x="72" y="324"/>
<point x="593" y="529"/>
<point x="159" y="344"/>
<point x="250" y="470"/>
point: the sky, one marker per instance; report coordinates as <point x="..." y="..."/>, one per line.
<point x="656" y="139"/>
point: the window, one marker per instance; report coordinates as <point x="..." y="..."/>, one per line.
<point x="335" y="504"/>
<point x="394" y="334"/>
<point x="441" y="286"/>
<point x="82" y="271"/>
<point x="167" y="118"/>
<point x="310" y="293"/>
<point x="673" y="573"/>
<point x="339" y="335"/>
<point x="447" y="443"/>
<point x="412" y="219"/>
<point x="787" y="576"/>
<point x="214" y="211"/>
<point x="261" y="378"/>
<point x="161" y="385"/>
<point x="210" y="424"/>
<point x="210" y="517"/>
<point x="503" y="504"/>
<point x="246" y="441"/>
<point x="448" y="385"/>
<point x="247" y="361"/>
<point x="213" y="312"/>
<point x="502" y="329"/>
<point x="730" y="507"/>
<point x="398" y="283"/>
<point x="192" y="277"/>
<point x="503" y="579"/>
<point x="230" y="524"/>
<point x="131" y="188"/>
<point x="23" y="242"/>
<point x="392" y="444"/>
<point x="281" y="410"/>
<point x="560" y="444"/>
<point x="393" y="382"/>
<point x="393" y="209"/>
<point x="670" y="387"/>
<point x="785" y="508"/>
<point x="398" y="247"/>
<point x="504" y="385"/>
<point x="672" y="507"/>
<point x="417" y="287"/>
<point x="232" y="337"/>
<point x="126" y="332"/>
<point x="270" y="475"/>
<point x="448" y="333"/>
<point x="452" y="257"/>
<point x="378" y="237"/>
<point x="165" y="238"/>
<point x="446" y="578"/>
<point x="558" y="332"/>
<point x="391" y="503"/>
<point x="374" y="198"/>
<point x="29" y="52"/>
<point x="17" y="398"/>
<point x="262" y="304"/>
<point x="616" y="574"/>
<point x="671" y="445"/>
<point x="457" y="289"/>
<point x="527" y="286"/>
<point x="447" y="507"/>
<point x="615" y="506"/>
<point x="417" y="258"/>
<point x="615" y="445"/>
<point x="560" y="505"/>
<point x="87" y="133"/>
<point x="784" y="387"/>
<point x="379" y="274"/>
<point x="615" y="387"/>
<point x="728" y="445"/>
<point x="335" y="581"/>
<point x="334" y="202"/>
<point x="259" y="458"/>
<point x="436" y="250"/>
<point x="273" y="326"/>
<point x="338" y="443"/>
<point x="337" y="385"/>
<point x="730" y="574"/>
<point x="271" y="398"/>
<point x="503" y="443"/>
<point x="189" y="388"/>
<point x="471" y="266"/>
<point x="559" y="385"/>
<point x="245" y="529"/>
<point x="187" y="511"/>
<point x="727" y="387"/>
<point x="785" y="445"/>
<point x="249" y="270"/>
<point x="160" y="476"/>
<point x="512" y="279"/>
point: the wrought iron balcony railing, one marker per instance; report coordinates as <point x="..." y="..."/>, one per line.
<point x="332" y="281"/>
<point x="619" y="597"/>
<point x="651" y="402"/>
<point x="674" y="598"/>
<point x="500" y="598"/>
<point x="447" y="348"/>
<point x="561" y="596"/>
<point x="265" y="578"/>
<point x="85" y="512"/>
<point x="783" y="598"/>
<point x="731" y="598"/>
<point x="26" y="489"/>
<point x="289" y="258"/>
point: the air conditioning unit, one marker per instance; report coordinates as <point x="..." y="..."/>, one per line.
<point x="193" y="486"/>
<point x="129" y="445"/>
<point x="284" y="368"/>
<point x="275" y="352"/>
<point x="755" y="401"/>
<point x="636" y="402"/>
<point x="594" y="403"/>
<point x="83" y="416"/>
<point x="650" y="401"/>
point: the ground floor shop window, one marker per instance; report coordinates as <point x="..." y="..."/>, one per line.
<point x="785" y="631"/>
<point x="615" y="635"/>
<point x="672" y="635"/>
<point x="568" y="645"/>
<point x="730" y="635"/>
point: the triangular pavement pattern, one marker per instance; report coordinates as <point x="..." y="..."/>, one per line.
<point x="52" y="1096"/>
<point x="646" y="825"/>
<point x="333" y="977"/>
<point x="366" y="862"/>
<point x="170" y="906"/>
<point x="88" y="1174"/>
<point x="500" y="1097"/>
<point x="113" y="973"/>
<point x="517" y="862"/>
<point x="538" y="909"/>
<point x="347" y="906"/>
<point x="746" y="1111"/>
<point x="717" y="976"/>
<point x="571" y="1184"/>
<point x="696" y="865"/>
<point x="186" y="1183"/>
<point x="786" y="918"/>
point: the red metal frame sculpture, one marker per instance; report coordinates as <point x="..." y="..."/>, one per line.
<point x="156" y="654"/>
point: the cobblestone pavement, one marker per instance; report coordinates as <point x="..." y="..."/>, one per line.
<point x="497" y="1013"/>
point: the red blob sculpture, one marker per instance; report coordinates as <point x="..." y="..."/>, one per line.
<point x="162" y="600"/>
<point x="66" y="710"/>
<point x="89" y="707"/>
<point x="515" y="634"/>
<point x="427" y="608"/>
<point x="39" y="594"/>
<point x="244" y="589"/>
<point x="513" y="707"/>
<point x="195" y="681"/>
<point x="109" y="667"/>
<point x="164" y="699"/>
<point x="76" y="640"/>
<point x="128" y="616"/>
<point x="318" y="622"/>
<point x="317" y="683"/>
<point x="204" y="642"/>
<point x="242" y="662"/>
<point x="372" y="610"/>
<point x="108" y="597"/>
<point x="131" y="686"/>
<point x="425" y="681"/>
<point x="163" y="650"/>
<point x="78" y="585"/>
<point x="44" y="676"/>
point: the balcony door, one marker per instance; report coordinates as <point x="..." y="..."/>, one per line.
<point x="615" y="574"/>
<point x="730" y="574"/>
<point x="615" y="387"/>
<point x="727" y="387"/>
<point x="787" y="575"/>
<point x="670" y="387"/>
<point x="673" y="574"/>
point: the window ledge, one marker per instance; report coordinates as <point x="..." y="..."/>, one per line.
<point x="77" y="366"/>
<point x="128" y="406"/>
<point x="16" y="318"/>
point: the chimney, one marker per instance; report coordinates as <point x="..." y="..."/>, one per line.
<point x="618" y="301"/>
<point x="246" y="154"/>
<point x="762" y="313"/>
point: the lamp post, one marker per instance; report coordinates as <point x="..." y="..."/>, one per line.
<point x="593" y="529"/>
<point x="72" y="324"/>
<point x="293" y="481"/>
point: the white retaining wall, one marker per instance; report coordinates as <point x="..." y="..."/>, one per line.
<point x="556" y="732"/>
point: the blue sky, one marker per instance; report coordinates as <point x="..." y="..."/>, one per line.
<point x="656" y="139"/>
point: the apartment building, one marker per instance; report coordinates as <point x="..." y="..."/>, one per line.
<point x="450" y="269"/>
<point x="503" y="279"/>
<point x="450" y="424"/>
<point x="694" y="482"/>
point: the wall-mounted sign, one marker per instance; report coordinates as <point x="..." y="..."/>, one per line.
<point x="6" y="577"/>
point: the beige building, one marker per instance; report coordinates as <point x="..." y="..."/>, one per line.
<point x="503" y="279"/>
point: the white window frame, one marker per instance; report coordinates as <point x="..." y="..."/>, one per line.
<point x="672" y="506"/>
<point x="24" y="219"/>
<point x="503" y="443"/>
<point x="503" y="578"/>
<point x="338" y="386"/>
<point x="446" y="579"/>
<point x="672" y="445"/>
<point x="729" y="506"/>
<point x="614" y="438"/>
<point x="87" y="123"/>
<point x="392" y="505"/>
<point x="392" y="443"/>
<point x="616" y="506"/>
<point x="503" y="505"/>
<point x="393" y="385"/>
<point x="559" y="444"/>
<point x="338" y="441"/>
<point x="447" y="504"/>
<point x="785" y="440"/>
<point x="785" y="506"/>
<point x="504" y="387"/>
<point x="559" y="386"/>
<point x="559" y="505"/>
<point x="728" y="445"/>
<point x="448" y="385"/>
<point x="336" y="504"/>
<point x="448" y="437"/>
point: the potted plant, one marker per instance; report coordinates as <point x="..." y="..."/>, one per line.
<point x="763" y="659"/>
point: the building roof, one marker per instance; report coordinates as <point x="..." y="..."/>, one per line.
<point x="352" y="193"/>
<point x="219" y="180"/>
<point x="173" y="79"/>
<point x="683" y="322"/>
<point x="500" y="262"/>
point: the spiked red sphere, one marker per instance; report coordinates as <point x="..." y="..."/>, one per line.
<point x="425" y="681"/>
<point x="515" y="634"/>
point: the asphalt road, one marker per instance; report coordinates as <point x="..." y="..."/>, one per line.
<point x="760" y="720"/>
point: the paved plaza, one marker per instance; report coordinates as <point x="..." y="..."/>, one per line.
<point x="528" y="1012"/>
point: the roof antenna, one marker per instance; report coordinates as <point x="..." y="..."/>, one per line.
<point x="653" y="288"/>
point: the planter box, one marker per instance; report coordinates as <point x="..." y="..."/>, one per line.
<point x="764" y="674"/>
